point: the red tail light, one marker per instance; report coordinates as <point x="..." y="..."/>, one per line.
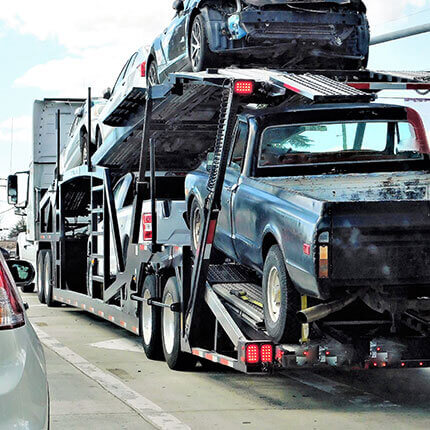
<point x="252" y="354"/>
<point x="143" y="69"/>
<point x="244" y="88"/>
<point x="266" y="353"/>
<point x="147" y="227"/>
<point x="11" y="312"/>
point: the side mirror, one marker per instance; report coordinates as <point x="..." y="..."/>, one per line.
<point x="79" y="112"/>
<point x="107" y="93"/>
<point x="22" y="271"/>
<point x="209" y="161"/>
<point x="12" y="190"/>
<point x="178" y="5"/>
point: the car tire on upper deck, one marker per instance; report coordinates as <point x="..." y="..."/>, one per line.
<point x="280" y="299"/>
<point x="200" y="55"/>
<point x="153" y="78"/>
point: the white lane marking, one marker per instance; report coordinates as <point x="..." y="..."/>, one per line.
<point x="120" y="344"/>
<point x="354" y="395"/>
<point x="143" y="406"/>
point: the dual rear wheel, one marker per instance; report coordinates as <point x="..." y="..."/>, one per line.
<point x="45" y="278"/>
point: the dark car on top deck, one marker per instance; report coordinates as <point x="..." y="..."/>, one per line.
<point x="307" y="34"/>
<point x="324" y="201"/>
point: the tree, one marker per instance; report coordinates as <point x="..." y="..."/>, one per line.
<point x="19" y="227"/>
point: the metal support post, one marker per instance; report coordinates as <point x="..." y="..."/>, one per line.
<point x="89" y="131"/>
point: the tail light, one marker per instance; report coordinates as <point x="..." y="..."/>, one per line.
<point x="323" y="262"/>
<point x="266" y="353"/>
<point x="252" y="354"/>
<point x="147" y="227"/>
<point x="143" y="69"/>
<point x="244" y="88"/>
<point x="11" y="312"/>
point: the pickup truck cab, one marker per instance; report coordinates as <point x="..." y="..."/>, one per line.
<point x="326" y="201"/>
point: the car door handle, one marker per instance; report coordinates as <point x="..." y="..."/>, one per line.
<point x="233" y="188"/>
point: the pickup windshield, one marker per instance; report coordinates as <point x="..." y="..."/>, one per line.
<point x="338" y="142"/>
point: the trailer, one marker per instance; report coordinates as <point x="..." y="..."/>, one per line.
<point x="194" y="307"/>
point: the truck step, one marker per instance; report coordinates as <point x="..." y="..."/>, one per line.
<point x="245" y="297"/>
<point x="230" y="273"/>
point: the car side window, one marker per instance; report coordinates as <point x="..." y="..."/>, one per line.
<point x="120" y="77"/>
<point x="131" y="63"/>
<point x="239" y="145"/>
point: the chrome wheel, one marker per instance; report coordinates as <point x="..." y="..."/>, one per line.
<point x="274" y="294"/>
<point x="146" y="318"/>
<point x="168" y="325"/>
<point x="152" y="74"/>
<point x="196" y="44"/>
<point x="197" y="225"/>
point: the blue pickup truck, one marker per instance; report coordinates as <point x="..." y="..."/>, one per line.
<point x="328" y="201"/>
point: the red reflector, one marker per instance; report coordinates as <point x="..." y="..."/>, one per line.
<point x="327" y="353"/>
<point x="244" y="87"/>
<point x="403" y="364"/>
<point x="306" y="249"/>
<point x="211" y="232"/>
<point x="266" y="353"/>
<point x="147" y="227"/>
<point x="421" y="363"/>
<point x="375" y="364"/>
<point x="378" y="348"/>
<point x="305" y="353"/>
<point x="252" y="354"/>
<point x="143" y="69"/>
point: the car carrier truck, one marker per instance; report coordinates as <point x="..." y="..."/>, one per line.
<point x="195" y="303"/>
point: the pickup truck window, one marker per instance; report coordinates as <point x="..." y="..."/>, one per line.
<point x="240" y="140"/>
<point x="338" y="142"/>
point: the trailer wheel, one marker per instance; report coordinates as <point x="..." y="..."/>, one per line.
<point x="171" y="330"/>
<point x="150" y="321"/>
<point x="280" y="298"/>
<point x="48" y="281"/>
<point x="40" y="278"/>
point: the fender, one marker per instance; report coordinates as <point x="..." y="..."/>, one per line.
<point x="215" y="22"/>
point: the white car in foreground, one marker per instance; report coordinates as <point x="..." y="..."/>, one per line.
<point x="24" y="398"/>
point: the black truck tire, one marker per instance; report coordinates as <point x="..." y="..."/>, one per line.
<point x="48" y="280"/>
<point x="150" y="321"/>
<point x="40" y="276"/>
<point x="171" y="330"/>
<point x="201" y="57"/>
<point x="280" y="299"/>
<point x="28" y="288"/>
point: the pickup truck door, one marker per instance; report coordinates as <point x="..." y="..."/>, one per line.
<point x="225" y="231"/>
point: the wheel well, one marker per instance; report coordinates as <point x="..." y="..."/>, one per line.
<point x="268" y="241"/>
<point x="151" y="58"/>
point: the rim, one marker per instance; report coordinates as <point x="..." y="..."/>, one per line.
<point x="168" y="325"/>
<point x="197" y="224"/>
<point x="196" y="44"/>
<point x="146" y="318"/>
<point x="152" y="75"/>
<point x="84" y="154"/>
<point x="274" y="294"/>
<point x="47" y="280"/>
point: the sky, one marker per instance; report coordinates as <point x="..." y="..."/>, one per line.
<point x="58" y="49"/>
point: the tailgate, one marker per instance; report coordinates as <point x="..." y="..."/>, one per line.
<point x="386" y="241"/>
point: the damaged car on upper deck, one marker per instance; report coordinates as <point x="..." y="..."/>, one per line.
<point x="287" y="34"/>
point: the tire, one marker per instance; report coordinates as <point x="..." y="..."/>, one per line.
<point x="200" y="55"/>
<point x="196" y="222"/>
<point x="40" y="276"/>
<point x="171" y="331"/>
<point x="153" y="78"/>
<point x="99" y="139"/>
<point x="49" y="284"/>
<point x="150" y="321"/>
<point x="28" y="288"/>
<point x="280" y="299"/>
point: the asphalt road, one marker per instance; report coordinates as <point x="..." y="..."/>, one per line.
<point x="100" y="379"/>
